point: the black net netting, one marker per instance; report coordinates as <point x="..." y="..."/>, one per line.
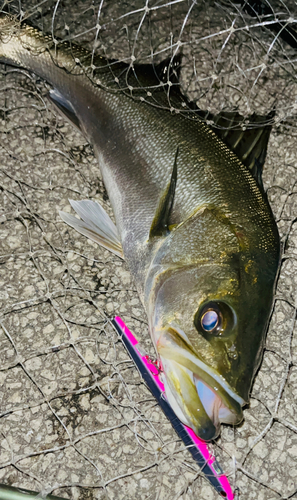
<point x="76" y="420"/>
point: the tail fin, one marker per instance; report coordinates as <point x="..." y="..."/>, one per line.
<point x="10" y="27"/>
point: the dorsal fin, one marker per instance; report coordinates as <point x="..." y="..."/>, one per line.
<point x="150" y="75"/>
<point x="249" y="143"/>
<point x="160" y="222"/>
<point x="257" y="9"/>
<point x="169" y="69"/>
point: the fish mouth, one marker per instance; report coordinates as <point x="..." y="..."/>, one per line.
<point x="200" y="397"/>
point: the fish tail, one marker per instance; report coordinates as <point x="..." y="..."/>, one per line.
<point x="24" y="45"/>
<point x="20" y="42"/>
<point x="9" y="25"/>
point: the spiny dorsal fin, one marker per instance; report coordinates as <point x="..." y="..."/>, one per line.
<point x="160" y="222"/>
<point x="95" y="224"/>
<point x="257" y="9"/>
<point x="248" y="143"/>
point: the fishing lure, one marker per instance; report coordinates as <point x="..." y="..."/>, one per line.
<point x="150" y="371"/>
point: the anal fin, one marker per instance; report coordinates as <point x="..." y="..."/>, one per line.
<point x="64" y="107"/>
<point x="95" y="224"/>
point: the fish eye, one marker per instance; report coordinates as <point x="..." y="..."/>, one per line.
<point x="214" y="319"/>
<point x="209" y="320"/>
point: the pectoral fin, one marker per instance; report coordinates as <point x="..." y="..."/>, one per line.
<point x="95" y="224"/>
<point x="161" y="220"/>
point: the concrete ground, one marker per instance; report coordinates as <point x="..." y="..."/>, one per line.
<point x="75" y="417"/>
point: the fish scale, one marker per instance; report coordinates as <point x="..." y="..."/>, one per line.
<point x="192" y="222"/>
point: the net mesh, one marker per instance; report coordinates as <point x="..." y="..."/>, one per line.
<point x="75" y="417"/>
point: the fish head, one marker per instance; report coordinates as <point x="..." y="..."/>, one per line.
<point x="208" y="323"/>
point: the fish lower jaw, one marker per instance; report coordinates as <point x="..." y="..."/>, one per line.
<point x="213" y="404"/>
<point x="194" y="402"/>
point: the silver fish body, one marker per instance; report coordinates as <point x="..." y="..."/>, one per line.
<point x="206" y="276"/>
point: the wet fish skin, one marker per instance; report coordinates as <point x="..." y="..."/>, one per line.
<point x="221" y="246"/>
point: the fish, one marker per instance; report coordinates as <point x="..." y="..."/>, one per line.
<point x="192" y="219"/>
